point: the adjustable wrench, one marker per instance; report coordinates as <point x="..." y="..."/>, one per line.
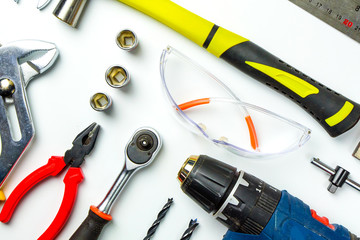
<point x="20" y="62"/>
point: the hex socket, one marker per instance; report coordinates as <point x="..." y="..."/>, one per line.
<point x="100" y="101"/>
<point x="127" y="40"/>
<point x="117" y="76"/>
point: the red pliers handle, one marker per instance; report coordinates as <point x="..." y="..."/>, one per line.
<point x="74" y="157"/>
<point x="54" y="166"/>
<point x="72" y="179"/>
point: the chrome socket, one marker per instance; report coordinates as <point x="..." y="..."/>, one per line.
<point x="127" y="40"/>
<point x="100" y="101"/>
<point x="117" y="76"/>
<point x="69" y="11"/>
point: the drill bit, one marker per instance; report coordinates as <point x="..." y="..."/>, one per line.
<point x="192" y="226"/>
<point x="160" y="216"/>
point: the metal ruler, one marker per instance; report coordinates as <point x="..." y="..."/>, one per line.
<point x="344" y="15"/>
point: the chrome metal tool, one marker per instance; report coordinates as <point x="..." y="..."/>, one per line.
<point x="338" y="176"/>
<point x="140" y="151"/>
<point x="69" y="11"/>
<point x="20" y="62"/>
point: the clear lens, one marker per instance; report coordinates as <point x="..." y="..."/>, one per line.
<point x="209" y="107"/>
<point x="275" y="134"/>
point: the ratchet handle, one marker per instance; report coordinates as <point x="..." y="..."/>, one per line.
<point x="335" y="113"/>
<point x="92" y="226"/>
<point x="52" y="168"/>
<point x="73" y="177"/>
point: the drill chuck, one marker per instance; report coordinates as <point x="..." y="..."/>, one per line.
<point x="239" y="200"/>
<point x="250" y="208"/>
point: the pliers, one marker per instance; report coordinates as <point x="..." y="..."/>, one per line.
<point x="82" y="146"/>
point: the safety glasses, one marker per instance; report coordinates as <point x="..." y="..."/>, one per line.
<point x="208" y="107"/>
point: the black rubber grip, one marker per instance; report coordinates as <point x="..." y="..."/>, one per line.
<point x="326" y="103"/>
<point x="90" y="228"/>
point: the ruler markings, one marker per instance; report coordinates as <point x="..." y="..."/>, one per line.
<point x="344" y="15"/>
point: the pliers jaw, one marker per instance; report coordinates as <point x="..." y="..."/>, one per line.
<point x="82" y="146"/>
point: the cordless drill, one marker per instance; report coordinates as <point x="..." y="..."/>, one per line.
<point x="250" y="208"/>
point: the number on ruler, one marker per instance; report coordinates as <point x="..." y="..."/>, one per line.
<point x="357" y="8"/>
<point x="348" y="23"/>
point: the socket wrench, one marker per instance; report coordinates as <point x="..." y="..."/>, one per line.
<point x="140" y="151"/>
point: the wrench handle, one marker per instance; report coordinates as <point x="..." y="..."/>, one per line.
<point x="91" y="227"/>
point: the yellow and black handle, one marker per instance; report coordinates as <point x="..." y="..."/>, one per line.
<point x="334" y="112"/>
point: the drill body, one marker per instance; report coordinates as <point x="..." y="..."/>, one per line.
<point x="293" y="220"/>
<point x="250" y="208"/>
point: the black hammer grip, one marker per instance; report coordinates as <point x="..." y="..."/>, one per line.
<point x="335" y="113"/>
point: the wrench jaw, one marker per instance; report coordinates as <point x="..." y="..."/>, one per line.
<point x="20" y="62"/>
<point x="34" y="57"/>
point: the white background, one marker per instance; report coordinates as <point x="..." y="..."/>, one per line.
<point x="59" y="102"/>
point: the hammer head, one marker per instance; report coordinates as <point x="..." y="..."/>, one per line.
<point x="20" y="62"/>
